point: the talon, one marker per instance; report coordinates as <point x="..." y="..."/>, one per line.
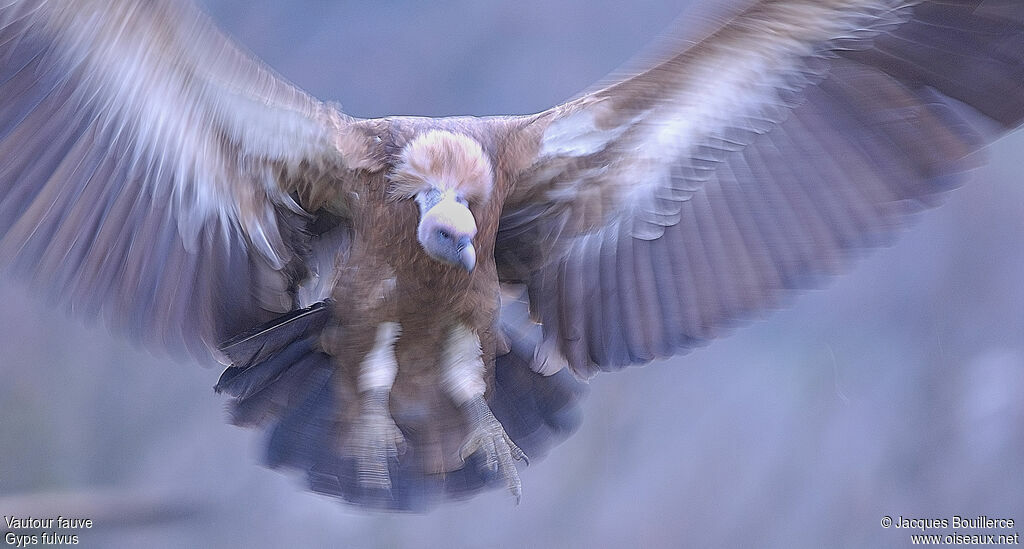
<point x="518" y="454"/>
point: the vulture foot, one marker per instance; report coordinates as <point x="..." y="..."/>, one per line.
<point x="488" y="437"/>
<point x="376" y="440"/>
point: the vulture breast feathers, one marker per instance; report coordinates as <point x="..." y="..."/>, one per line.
<point x="406" y="305"/>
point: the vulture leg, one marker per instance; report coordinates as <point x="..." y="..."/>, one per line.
<point x="463" y="378"/>
<point x="376" y="439"/>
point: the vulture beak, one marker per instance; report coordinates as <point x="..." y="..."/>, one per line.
<point x="446" y="230"/>
<point x="467" y="254"/>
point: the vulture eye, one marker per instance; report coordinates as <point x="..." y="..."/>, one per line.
<point x="444" y="234"/>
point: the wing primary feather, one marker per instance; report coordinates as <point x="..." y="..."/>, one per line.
<point x="764" y="232"/>
<point x="629" y="292"/>
<point x="573" y="322"/>
<point x="668" y="302"/>
<point x="612" y="345"/>
<point x="755" y="240"/>
<point x="737" y="266"/>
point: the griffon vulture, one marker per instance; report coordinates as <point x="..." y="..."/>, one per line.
<point x="405" y="303"/>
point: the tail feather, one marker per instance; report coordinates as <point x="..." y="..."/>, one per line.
<point x="283" y="383"/>
<point x="304" y="427"/>
<point x="536" y="411"/>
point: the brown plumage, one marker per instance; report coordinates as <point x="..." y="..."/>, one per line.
<point x="370" y="283"/>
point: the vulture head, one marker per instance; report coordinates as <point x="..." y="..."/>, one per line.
<point x="446" y="174"/>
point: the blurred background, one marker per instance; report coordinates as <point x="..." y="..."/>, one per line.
<point x="897" y="390"/>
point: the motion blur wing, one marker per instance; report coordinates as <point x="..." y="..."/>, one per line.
<point x="649" y="215"/>
<point x="151" y="169"/>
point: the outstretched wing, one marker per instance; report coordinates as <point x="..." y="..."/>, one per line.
<point x="149" y="169"/>
<point x="649" y="215"/>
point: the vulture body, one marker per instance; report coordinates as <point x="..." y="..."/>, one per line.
<point x="406" y="304"/>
